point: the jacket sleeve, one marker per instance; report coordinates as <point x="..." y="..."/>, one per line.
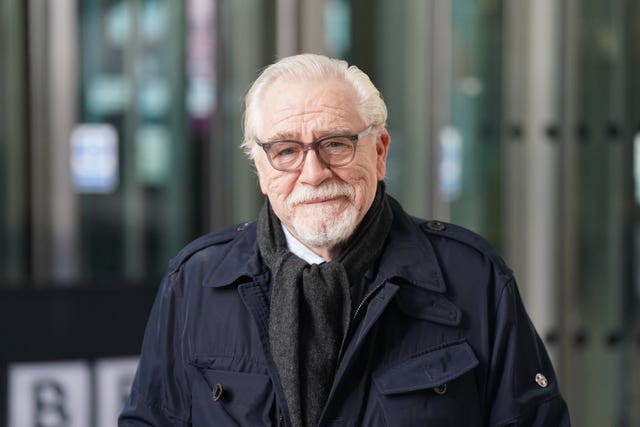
<point x="522" y="385"/>
<point x="160" y="392"/>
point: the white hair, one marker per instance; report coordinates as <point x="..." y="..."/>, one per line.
<point x="306" y="67"/>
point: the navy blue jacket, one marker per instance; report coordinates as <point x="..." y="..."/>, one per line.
<point x="439" y="337"/>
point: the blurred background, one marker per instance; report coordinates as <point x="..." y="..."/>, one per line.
<point x="119" y="134"/>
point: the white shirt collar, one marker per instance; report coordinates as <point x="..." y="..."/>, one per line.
<point x="300" y="250"/>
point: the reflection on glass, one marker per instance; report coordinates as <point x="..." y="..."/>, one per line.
<point x="94" y="158"/>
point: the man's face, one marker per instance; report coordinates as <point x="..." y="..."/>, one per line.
<point x="320" y="206"/>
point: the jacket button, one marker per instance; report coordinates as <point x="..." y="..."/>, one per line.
<point x="436" y="225"/>
<point x="216" y="393"/>
<point x="541" y="380"/>
<point x="441" y="389"/>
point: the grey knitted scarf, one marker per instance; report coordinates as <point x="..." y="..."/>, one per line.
<point x="311" y="306"/>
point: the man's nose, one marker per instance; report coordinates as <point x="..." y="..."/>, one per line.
<point x="313" y="170"/>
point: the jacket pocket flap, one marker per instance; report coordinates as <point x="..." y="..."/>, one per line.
<point x="427" y="370"/>
<point x="228" y="363"/>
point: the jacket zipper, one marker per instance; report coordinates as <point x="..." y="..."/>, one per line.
<point x="366" y="298"/>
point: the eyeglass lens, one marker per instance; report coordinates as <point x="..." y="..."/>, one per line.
<point x="335" y="151"/>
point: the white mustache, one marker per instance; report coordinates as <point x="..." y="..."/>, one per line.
<point x="326" y="191"/>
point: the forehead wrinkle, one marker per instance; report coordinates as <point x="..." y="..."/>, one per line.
<point x="301" y="110"/>
<point x="318" y="134"/>
<point x="320" y="123"/>
<point x="292" y="112"/>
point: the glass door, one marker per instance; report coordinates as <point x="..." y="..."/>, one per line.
<point x="136" y="210"/>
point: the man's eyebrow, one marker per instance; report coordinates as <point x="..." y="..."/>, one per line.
<point x="341" y="130"/>
<point x="281" y="136"/>
<point x="288" y="136"/>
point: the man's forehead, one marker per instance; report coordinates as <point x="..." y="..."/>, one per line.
<point x="320" y="108"/>
<point x="310" y="94"/>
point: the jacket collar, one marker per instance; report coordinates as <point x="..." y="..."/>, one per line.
<point x="240" y="262"/>
<point x="408" y="256"/>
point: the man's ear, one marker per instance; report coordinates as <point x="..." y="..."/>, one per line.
<point x="382" y="150"/>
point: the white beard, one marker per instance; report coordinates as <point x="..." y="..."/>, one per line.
<point x="323" y="225"/>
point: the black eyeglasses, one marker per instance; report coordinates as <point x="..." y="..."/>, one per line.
<point x="333" y="151"/>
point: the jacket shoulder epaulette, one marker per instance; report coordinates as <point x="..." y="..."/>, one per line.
<point x="214" y="238"/>
<point x="467" y="237"/>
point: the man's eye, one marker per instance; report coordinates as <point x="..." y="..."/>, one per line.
<point x="285" y="151"/>
<point x="336" y="144"/>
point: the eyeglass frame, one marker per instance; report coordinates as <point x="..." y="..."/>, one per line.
<point x="315" y="146"/>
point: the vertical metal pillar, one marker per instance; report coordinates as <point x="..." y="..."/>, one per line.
<point x="312" y="29"/>
<point x="53" y="80"/>
<point x="14" y="188"/>
<point x="300" y="27"/>
<point x="245" y="49"/>
<point x="532" y="155"/>
<point x="440" y="51"/>
<point x="569" y="316"/>
<point x="287" y="27"/>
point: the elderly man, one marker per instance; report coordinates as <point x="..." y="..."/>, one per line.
<point x="336" y="307"/>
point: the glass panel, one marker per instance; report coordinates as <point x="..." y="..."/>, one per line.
<point x="398" y="65"/>
<point x="476" y="117"/>
<point x="601" y="203"/>
<point x="132" y="61"/>
<point x="337" y="29"/>
<point x="248" y="30"/>
<point x="440" y="75"/>
<point x="407" y="62"/>
<point x="13" y="150"/>
<point x="631" y="321"/>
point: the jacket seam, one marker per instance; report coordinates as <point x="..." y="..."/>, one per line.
<point x="204" y="242"/>
<point x="508" y="284"/>
<point x="475" y="242"/>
